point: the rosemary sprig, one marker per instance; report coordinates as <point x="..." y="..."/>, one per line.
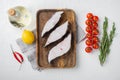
<point x="112" y="32"/>
<point x="106" y="41"/>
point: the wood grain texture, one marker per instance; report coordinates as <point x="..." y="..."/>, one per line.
<point x="68" y="60"/>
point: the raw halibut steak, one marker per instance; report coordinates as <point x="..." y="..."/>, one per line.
<point x="51" y="22"/>
<point x="58" y="33"/>
<point x="60" y="49"/>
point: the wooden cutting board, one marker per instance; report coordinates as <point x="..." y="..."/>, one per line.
<point x="68" y="60"/>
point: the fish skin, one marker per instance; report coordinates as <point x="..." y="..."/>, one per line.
<point x="58" y="33"/>
<point x="60" y="49"/>
<point x="51" y="22"/>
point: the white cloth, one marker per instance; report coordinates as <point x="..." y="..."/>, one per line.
<point x="30" y="50"/>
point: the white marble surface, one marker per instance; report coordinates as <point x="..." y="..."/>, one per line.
<point x="87" y="68"/>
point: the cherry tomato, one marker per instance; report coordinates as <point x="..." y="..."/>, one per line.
<point x="95" y="18"/>
<point x="96" y="46"/>
<point x="89" y="29"/>
<point x="88" y="49"/>
<point x="95" y="32"/>
<point x="89" y="15"/>
<point x="88" y="42"/>
<point x="89" y="36"/>
<point x="88" y="22"/>
<point x="95" y="39"/>
<point x="95" y="25"/>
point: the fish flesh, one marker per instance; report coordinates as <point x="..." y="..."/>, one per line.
<point x="51" y="22"/>
<point x="60" y="49"/>
<point x="58" y="33"/>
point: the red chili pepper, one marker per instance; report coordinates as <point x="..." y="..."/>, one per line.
<point x="20" y="59"/>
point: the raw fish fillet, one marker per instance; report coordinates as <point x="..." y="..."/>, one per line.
<point x="60" y="49"/>
<point x="51" y="22"/>
<point x="57" y="33"/>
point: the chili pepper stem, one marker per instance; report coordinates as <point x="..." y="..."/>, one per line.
<point x="11" y="48"/>
<point x="20" y="66"/>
